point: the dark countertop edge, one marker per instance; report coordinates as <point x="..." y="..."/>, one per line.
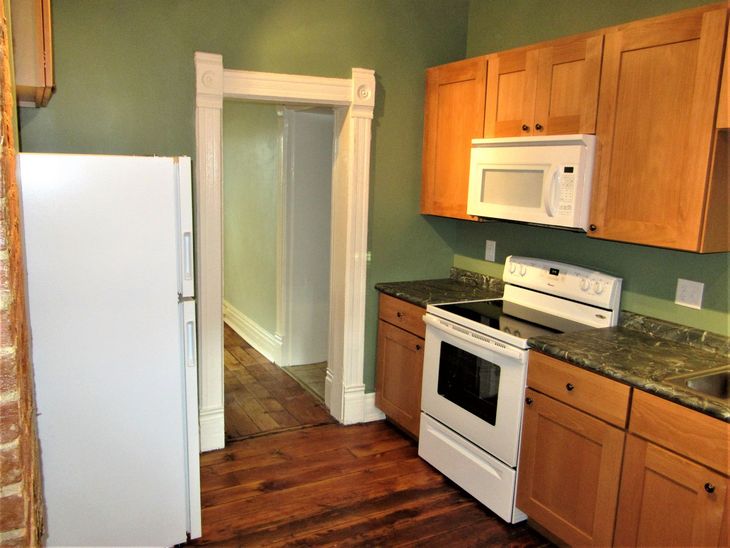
<point x="657" y="387"/>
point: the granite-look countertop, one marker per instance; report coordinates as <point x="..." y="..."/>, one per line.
<point x="642" y="352"/>
<point x="643" y="359"/>
<point x="461" y="285"/>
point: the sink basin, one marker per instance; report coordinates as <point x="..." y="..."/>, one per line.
<point x="712" y="383"/>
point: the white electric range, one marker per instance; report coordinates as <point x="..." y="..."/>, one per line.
<point x="475" y="370"/>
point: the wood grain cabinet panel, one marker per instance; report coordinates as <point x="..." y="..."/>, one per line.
<point x="569" y="471"/>
<point x="32" y="51"/>
<point x="454" y="115"/>
<point x="668" y="500"/>
<point x="723" y="107"/>
<point x="399" y="365"/>
<point x="551" y="89"/>
<point x="599" y="396"/>
<point x="656" y="134"/>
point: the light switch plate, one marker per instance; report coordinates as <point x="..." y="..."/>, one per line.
<point x="490" y="250"/>
<point x="689" y="293"/>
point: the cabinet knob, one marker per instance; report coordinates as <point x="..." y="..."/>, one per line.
<point x="592" y="228"/>
<point x="525" y="127"/>
<point x="709" y="487"/>
<point x="399" y="314"/>
<point x="528" y="401"/>
<point x="569" y="387"/>
<point x="418" y="347"/>
<point x="539" y="127"/>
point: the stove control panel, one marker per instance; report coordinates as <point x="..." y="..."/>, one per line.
<point x="571" y="282"/>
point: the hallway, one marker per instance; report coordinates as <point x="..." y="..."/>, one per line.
<point x="260" y="398"/>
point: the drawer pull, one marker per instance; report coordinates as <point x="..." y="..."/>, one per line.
<point x="709" y="487"/>
<point x="418" y="347"/>
<point x="399" y="314"/>
<point x="528" y="401"/>
<point x="569" y="387"/>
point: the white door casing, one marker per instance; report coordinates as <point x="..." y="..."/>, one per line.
<point x="353" y="101"/>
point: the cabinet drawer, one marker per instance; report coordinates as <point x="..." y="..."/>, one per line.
<point x="688" y="432"/>
<point x="601" y="397"/>
<point x="405" y="315"/>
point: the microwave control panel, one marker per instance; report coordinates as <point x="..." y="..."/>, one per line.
<point x="567" y="190"/>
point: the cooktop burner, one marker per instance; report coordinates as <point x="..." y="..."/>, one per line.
<point x="511" y="318"/>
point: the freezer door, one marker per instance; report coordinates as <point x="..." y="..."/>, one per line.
<point x="186" y="263"/>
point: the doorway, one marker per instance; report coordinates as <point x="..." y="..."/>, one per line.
<point x="353" y="102"/>
<point x="277" y="187"/>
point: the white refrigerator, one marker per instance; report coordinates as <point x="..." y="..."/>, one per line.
<point x="109" y="255"/>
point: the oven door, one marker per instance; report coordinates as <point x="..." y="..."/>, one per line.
<point x="475" y="386"/>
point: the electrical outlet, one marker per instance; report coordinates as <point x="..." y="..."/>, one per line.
<point x="689" y="293"/>
<point x="490" y="250"/>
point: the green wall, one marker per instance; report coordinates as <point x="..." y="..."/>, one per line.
<point x="250" y="177"/>
<point x="125" y="85"/>
<point x="650" y="274"/>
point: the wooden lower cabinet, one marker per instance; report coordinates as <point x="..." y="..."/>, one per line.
<point x="398" y="376"/>
<point x="668" y="500"/>
<point x="570" y="466"/>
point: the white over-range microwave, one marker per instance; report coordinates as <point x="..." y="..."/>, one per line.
<point x="540" y="180"/>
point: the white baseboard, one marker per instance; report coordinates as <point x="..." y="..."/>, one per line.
<point x="268" y="344"/>
<point x="370" y="412"/>
<point x="212" y="430"/>
<point x="359" y="406"/>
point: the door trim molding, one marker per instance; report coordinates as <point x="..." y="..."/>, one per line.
<point x="353" y="101"/>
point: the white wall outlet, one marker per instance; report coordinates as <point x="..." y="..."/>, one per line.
<point x="689" y="293"/>
<point x="490" y="250"/>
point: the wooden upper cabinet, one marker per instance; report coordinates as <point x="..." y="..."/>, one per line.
<point x="551" y="89"/>
<point x="723" y="107"/>
<point x="454" y="115"/>
<point x="32" y="51"/>
<point x="655" y="183"/>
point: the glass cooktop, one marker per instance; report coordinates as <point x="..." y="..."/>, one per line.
<point x="511" y="318"/>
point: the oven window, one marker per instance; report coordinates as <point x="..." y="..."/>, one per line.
<point x="468" y="381"/>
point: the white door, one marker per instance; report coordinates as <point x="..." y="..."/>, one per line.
<point x="309" y="143"/>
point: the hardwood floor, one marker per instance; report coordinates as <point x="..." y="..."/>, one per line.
<point x="300" y="479"/>
<point x="311" y="376"/>
<point x="260" y="397"/>
<point x="360" y="485"/>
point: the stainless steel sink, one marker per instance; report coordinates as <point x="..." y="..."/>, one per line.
<point x="712" y="383"/>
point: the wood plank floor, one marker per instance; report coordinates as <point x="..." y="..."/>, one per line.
<point x="334" y="485"/>
<point x="260" y="397"/>
<point x="311" y="376"/>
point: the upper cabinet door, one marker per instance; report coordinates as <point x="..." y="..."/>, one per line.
<point x="656" y="130"/>
<point x="567" y="87"/>
<point x="454" y="115"/>
<point x="551" y="89"/>
<point x="511" y="93"/>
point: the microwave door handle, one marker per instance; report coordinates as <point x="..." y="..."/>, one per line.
<point x="550" y="193"/>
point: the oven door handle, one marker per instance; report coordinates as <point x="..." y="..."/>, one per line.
<point x="482" y="341"/>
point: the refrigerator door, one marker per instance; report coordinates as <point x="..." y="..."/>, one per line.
<point x="112" y="390"/>
<point x="190" y="358"/>
<point x="186" y="267"/>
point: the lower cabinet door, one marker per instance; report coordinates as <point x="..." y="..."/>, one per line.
<point x="570" y="465"/>
<point x="398" y="376"/>
<point x="668" y="500"/>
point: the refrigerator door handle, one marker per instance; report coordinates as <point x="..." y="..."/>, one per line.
<point x="190" y="350"/>
<point x="188" y="255"/>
